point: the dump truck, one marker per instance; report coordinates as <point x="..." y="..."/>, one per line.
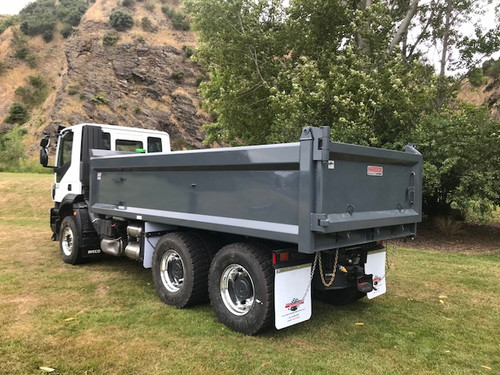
<point x="255" y="230"/>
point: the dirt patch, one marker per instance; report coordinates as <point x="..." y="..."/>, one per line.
<point x="470" y="238"/>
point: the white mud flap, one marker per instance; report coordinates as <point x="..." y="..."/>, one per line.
<point x="292" y="295"/>
<point x="375" y="265"/>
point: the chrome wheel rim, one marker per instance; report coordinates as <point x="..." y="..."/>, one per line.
<point x="67" y="241"/>
<point x="237" y="289"/>
<point x="172" y="271"/>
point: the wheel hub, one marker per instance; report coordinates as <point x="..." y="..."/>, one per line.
<point x="177" y="270"/>
<point x="237" y="289"/>
<point x="243" y="288"/>
<point x="67" y="241"/>
<point x="172" y="271"/>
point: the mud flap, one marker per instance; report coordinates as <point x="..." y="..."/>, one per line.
<point x="375" y="265"/>
<point x="292" y="295"/>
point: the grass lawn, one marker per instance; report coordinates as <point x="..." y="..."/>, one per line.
<point x="439" y="316"/>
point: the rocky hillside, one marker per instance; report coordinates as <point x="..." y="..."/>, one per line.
<point x="486" y="94"/>
<point x="141" y="77"/>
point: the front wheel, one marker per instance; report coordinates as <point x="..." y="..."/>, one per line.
<point x="241" y="287"/>
<point x="69" y="241"/>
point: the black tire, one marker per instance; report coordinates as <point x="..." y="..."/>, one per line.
<point x="339" y="297"/>
<point x="180" y="270"/>
<point x="245" y="303"/>
<point x="210" y="242"/>
<point x="69" y="241"/>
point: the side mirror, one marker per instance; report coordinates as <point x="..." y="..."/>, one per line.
<point x="44" y="156"/>
<point x="45" y="142"/>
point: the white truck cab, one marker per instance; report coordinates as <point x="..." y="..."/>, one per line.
<point x="71" y="177"/>
<point x="71" y="155"/>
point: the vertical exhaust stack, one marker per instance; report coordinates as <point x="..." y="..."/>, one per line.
<point x="133" y="249"/>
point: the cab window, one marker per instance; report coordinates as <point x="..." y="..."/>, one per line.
<point x="154" y="144"/>
<point x="65" y="149"/>
<point x="126" y="145"/>
<point x="64" y="155"/>
<point x="106" y="141"/>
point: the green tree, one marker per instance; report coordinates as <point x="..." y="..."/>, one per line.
<point x="40" y="17"/>
<point x="12" y="149"/>
<point x="353" y="66"/>
<point x="274" y="70"/>
<point x="462" y="160"/>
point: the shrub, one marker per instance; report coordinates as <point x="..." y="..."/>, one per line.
<point x="72" y="90"/>
<point x="3" y="67"/>
<point x="34" y="93"/>
<point x="66" y="31"/>
<point x="199" y="79"/>
<point x="37" y="26"/>
<point x="177" y="76"/>
<point x="150" y="6"/>
<point x="179" y="21"/>
<point x="47" y="35"/>
<point x="99" y="98"/>
<point x="491" y="68"/>
<point x="37" y="82"/>
<point x="121" y="20"/>
<point x="12" y="149"/>
<point x="128" y="3"/>
<point x="462" y="149"/>
<point x="31" y="60"/>
<point x="21" y="53"/>
<point x="188" y="51"/>
<point x="18" y="114"/>
<point x="476" y="77"/>
<point x="7" y="22"/>
<point x="147" y="25"/>
<point x="110" y="38"/>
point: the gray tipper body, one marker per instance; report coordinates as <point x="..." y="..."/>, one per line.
<point x="315" y="193"/>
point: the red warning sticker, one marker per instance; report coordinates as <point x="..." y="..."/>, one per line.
<point x="374" y="170"/>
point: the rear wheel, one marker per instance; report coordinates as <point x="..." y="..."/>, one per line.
<point x="69" y="241"/>
<point x="180" y="270"/>
<point x="241" y="287"/>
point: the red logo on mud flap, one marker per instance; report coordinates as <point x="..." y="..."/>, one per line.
<point x="374" y="170"/>
<point x="292" y="306"/>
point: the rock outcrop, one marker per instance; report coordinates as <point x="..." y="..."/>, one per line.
<point x="139" y="82"/>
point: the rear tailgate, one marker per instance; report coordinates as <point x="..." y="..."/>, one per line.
<point x="360" y="194"/>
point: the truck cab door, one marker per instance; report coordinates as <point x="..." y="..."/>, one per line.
<point x="67" y="177"/>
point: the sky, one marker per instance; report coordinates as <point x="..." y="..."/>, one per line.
<point x="12" y="6"/>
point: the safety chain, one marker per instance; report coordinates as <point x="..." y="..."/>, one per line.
<point x="327" y="284"/>
<point x="311" y="277"/>
<point x="316" y="258"/>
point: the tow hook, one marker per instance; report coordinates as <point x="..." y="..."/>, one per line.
<point x="365" y="283"/>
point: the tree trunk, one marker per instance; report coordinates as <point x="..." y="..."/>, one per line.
<point x="405" y="24"/>
<point x="446" y="38"/>
<point x="365" y="48"/>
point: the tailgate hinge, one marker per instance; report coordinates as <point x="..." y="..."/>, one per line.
<point x="321" y="150"/>
<point x="319" y="221"/>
